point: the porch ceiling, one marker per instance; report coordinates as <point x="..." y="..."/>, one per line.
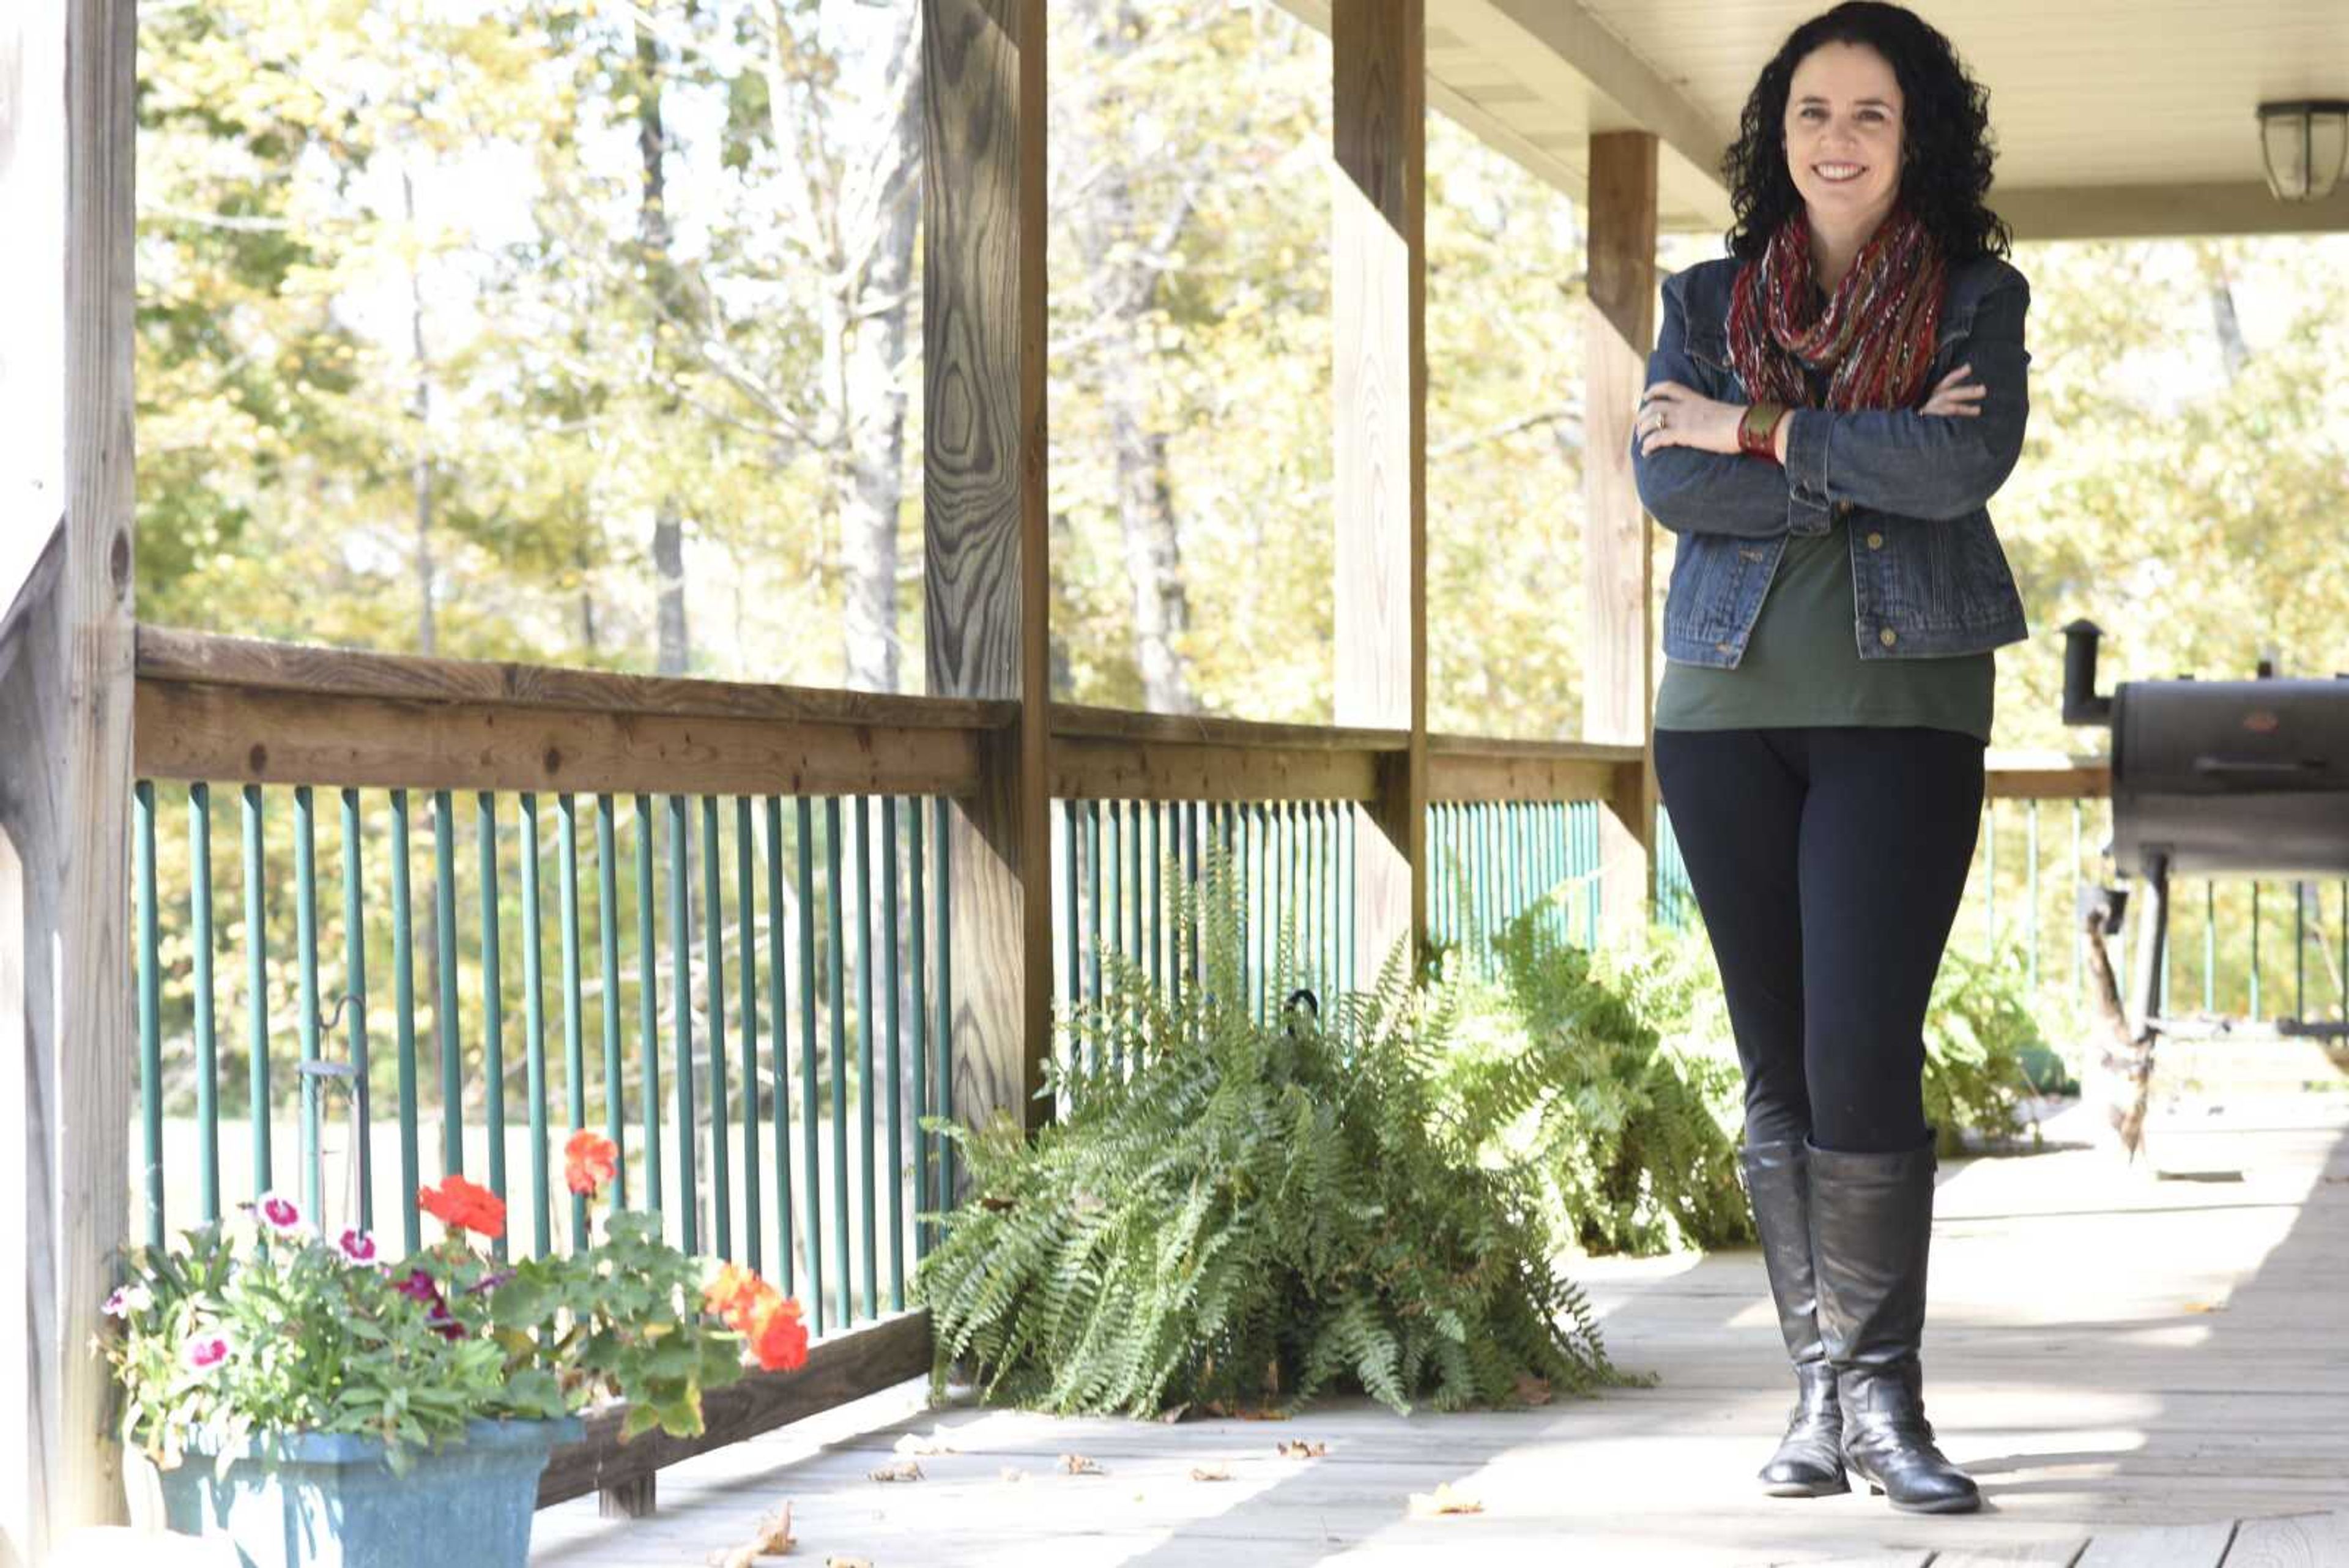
<point x="2114" y="117"/>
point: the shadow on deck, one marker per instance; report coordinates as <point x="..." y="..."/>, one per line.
<point x="2110" y="1351"/>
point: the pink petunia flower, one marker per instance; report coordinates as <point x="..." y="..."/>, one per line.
<point x="419" y="1286"/>
<point x="280" y="1214"/>
<point x="205" y="1352"/>
<point x="357" y="1246"/>
<point x="128" y="1299"/>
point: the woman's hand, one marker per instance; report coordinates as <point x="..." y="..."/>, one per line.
<point x="1672" y="415"/>
<point x="1949" y="398"/>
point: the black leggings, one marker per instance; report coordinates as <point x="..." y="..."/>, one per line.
<point x="1829" y="864"/>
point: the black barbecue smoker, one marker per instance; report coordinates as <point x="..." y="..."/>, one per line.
<point x="2247" y="777"/>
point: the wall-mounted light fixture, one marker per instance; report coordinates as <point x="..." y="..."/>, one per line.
<point x="2303" y="144"/>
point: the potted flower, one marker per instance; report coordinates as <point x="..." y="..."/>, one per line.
<point x="321" y="1407"/>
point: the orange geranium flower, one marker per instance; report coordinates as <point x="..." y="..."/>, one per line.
<point x="761" y="1314"/>
<point x="589" y="1160"/>
<point x="733" y="1292"/>
<point x="465" y="1206"/>
<point x="778" y="1338"/>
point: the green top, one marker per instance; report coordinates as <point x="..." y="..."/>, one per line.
<point x="1802" y="665"/>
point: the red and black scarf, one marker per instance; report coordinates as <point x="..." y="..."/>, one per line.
<point x="1875" y="335"/>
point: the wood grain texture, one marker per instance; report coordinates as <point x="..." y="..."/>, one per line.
<point x="1489" y="776"/>
<point x="2306" y="1541"/>
<point x="194" y="658"/>
<point x="2174" y="1546"/>
<point x="840" y="1368"/>
<point x="1089" y="769"/>
<point x="66" y="128"/>
<point x="1075" y="720"/>
<point x="2084" y="779"/>
<point x="2060" y="1553"/>
<point x="256" y="735"/>
<point x="1617" y="554"/>
<point x="986" y="578"/>
<point x="1378" y="303"/>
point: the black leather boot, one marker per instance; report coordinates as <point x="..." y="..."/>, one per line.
<point x="1871" y="1225"/>
<point x="1809" y="1461"/>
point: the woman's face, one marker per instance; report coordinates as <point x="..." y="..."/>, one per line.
<point x="1843" y="134"/>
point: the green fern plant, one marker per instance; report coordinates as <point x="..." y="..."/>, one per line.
<point x="1248" y="1212"/>
<point x="1560" y="1071"/>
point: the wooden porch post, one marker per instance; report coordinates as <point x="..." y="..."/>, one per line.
<point x="985" y="570"/>
<point x="1618" y="575"/>
<point x="1379" y="256"/>
<point x="66" y="647"/>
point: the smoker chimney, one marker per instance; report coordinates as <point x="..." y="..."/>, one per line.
<point x="2081" y="703"/>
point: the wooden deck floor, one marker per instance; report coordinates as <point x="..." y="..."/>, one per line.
<point x="2132" y="1366"/>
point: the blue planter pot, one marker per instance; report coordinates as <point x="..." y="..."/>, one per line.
<point x="311" y="1499"/>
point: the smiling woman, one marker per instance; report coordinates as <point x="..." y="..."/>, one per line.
<point x="1830" y="407"/>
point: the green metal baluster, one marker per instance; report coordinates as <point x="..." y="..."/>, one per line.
<point x="870" y="1276"/>
<point x="713" y="945"/>
<point x="2299" y="952"/>
<point x="607" y="934"/>
<point x="444" y="1014"/>
<point x="836" y="967"/>
<point x="1075" y="979"/>
<point x="919" y="961"/>
<point x="2255" y="950"/>
<point x="533" y="1002"/>
<point x="306" y="940"/>
<point x="354" y="986"/>
<point x="2210" y="946"/>
<point x="942" y="1101"/>
<point x="1134" y="870"/>
<point x="256" y="985"/>
<point x="811" y="1140"/>
<point x="1157" y="899"/>
<point x="680" y="951"/>
<point x="150" y="1033"/>
<point x="199" y="891"/>
<point x="648" y="1055"/>
<point x="575" y="1012"/>
<point x="494" y="1027"/>
<point x="890" y="1016"/>
<point x="746" y="912"/>
<point x="403" y="1007"/>
<point x="1990" y="879"/>
<point x="2080" y="936"/>
<point x="779" y="1056"/>
<point x="2031" y="872"/>
<point x="1116" y="864"/>
<point x="1093" y="925"/>
<point x="567" y="925"/>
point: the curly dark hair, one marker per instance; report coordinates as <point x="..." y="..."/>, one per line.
<point x="1945" y="134"/>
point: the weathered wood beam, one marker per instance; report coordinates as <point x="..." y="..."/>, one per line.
<point x="218" y="733"/>
<point x="1467" y="768"/>
<point x="198" y="657"/>
<point x="1379" y="297"/>
<point x="985" y="579"/>
<point x="840" y="1368"/>
<point x="1093" y="769"/>
<point x="2051" y="778"/>
<point x="1619" y="572"/>
<point x="66" y="128"/>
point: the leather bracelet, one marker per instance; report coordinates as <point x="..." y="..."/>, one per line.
<point x="1757" y="431"/>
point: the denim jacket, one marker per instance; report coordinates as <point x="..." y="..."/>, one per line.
<point x="1929" y="577"/>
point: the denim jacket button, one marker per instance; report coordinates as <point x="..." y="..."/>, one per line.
<point x="1843" y="508"/>
<point x="1876" y="541"/>
<point x="1887" y="637"/>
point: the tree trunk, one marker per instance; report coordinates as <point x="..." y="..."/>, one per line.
<point x="1122" y="267"/>
<point x="674" y="654"/>
<point x="2234" y="350"/>
<point x="420" y="408"/>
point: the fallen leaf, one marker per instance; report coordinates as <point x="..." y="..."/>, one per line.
<point x="1077" y="1465"/>
<point x="1533" y="1390"/>
<point x="771" y="1538"/>
<point x="1211" y="1472"/>
<point x="2203" y="1306"/>
<point x="1013" y="1473"/>
<point x="913" y="1443"/>
<point x="904" y="1471"/>
<point x="1298" y="1449"/>
<point x="1443" y="1500"/>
